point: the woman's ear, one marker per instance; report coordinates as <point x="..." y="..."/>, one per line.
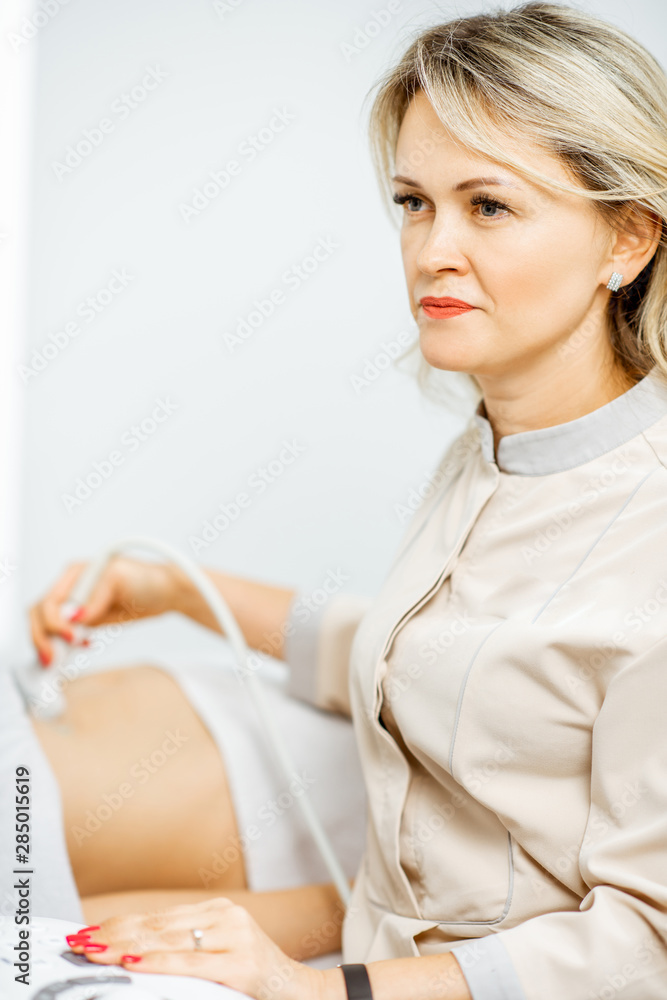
<point x="636" y="241"/>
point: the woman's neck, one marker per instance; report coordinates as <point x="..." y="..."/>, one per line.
<point x="515" y="405"/>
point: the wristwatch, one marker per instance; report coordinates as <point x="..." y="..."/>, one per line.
<point x="357" y="983"/>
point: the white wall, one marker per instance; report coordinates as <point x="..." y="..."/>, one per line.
<point x="16" y="120"/>
<point x="218" y="78"/>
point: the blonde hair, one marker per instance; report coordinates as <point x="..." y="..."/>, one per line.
<point x="584" y="91"/>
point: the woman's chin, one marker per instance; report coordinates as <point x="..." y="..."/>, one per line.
<point x="447" y="352"/>
<point x="447" y="360"/>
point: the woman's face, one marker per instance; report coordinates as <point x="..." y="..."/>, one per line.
<point x="535" y="268"/>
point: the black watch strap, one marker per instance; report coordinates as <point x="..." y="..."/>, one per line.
<point x="357" y="982"/>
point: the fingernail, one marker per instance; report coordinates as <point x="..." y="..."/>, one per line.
<point x="130" y="958"/>
<point x="45" y="659"/>
<point x="69" y="636"/>
<point x="74" y="940"/>
<point x="78" y="614"/>
<point x="94" y="946"/>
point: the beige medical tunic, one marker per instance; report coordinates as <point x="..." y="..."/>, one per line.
<point x="508" y="687"/>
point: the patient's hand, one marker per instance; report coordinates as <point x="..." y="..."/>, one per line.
<point x="235" y="951"/>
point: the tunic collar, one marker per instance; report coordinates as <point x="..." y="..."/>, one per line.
<point x="564" y="446"/>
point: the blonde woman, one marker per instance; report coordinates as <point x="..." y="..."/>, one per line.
<point x="508" y="684"/>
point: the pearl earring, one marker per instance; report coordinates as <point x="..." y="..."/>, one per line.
<point x="614" y="282"/>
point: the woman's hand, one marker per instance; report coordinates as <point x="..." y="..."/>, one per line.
<point x="128" y="589"/>
<point x="234" y="951"/>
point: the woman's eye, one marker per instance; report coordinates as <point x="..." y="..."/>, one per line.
<point x="485" y="202"/>
<point x="402" y="199"/>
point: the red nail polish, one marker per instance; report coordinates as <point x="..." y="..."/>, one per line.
<point x="79" y="938"/>
<point x="94" y="946"/>
<point x="68" y="636"/>
<point x="78" y="614"/>
<point x="130" y="958"/>
<point x="45" y="659"/>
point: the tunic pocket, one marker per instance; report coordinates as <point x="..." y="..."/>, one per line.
<point x="455" y="852"/>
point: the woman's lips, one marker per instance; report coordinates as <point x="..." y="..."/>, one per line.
<point x="444" y="308"/>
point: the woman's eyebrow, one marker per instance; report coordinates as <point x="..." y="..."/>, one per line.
<point x="464" y="185"/>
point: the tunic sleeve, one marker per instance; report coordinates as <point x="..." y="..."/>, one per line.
<point x="317" y="649"/>
<point x="615" y="943"/>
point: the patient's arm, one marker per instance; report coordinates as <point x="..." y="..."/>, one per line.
<point x="304" y="921"/>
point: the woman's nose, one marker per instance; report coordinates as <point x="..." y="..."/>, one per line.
<point x="441" y="251"/>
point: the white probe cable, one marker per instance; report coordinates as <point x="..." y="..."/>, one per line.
<point x="83" y="588"/>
